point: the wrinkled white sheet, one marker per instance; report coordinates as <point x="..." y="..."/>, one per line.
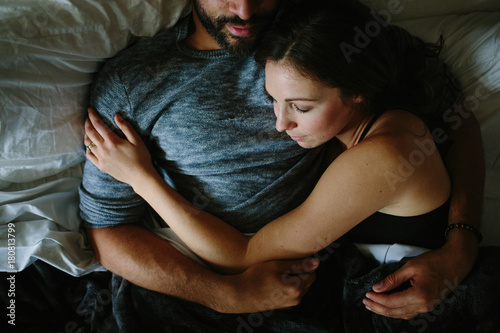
<point x="388" y="253"/>
<point x="43" y="223"/>
<point x="49" y="52"/>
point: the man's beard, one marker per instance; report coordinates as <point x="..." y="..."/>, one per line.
<point x="238" y="45"/>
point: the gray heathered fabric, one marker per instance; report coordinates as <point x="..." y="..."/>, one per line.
<point x="209" y="126"/>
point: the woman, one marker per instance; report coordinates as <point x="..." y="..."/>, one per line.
<point x="377" y="98"/>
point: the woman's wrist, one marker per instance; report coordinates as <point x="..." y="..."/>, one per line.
<point x="145" y="179"/>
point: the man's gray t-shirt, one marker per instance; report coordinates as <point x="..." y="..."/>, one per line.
<point x="210" y="128"/>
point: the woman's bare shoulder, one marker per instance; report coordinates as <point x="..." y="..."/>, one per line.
<point x="402" y="151"/>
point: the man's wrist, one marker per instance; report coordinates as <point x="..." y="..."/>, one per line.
<point x="224" y="299"/>
<point x="463" y="246"/>
<point x="464" y="227"/>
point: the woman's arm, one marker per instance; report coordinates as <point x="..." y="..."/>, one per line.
<point x="351" y="189"/>
<point x="215" y="241"/>
<point x="128" y="160"/>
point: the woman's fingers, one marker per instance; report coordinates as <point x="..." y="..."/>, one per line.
<point x="99" y="131"/>
<point x="98" y="134"/>
<point x="92" y="158"/>
<point x="127" y="130"/>
<point x="92" y="136"/>
<point x="91" y="140"/>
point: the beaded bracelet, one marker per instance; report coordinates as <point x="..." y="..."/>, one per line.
<point x="466" y="227"/>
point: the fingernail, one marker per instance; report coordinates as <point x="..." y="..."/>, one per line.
<point x="377" y="285"/>
<point x="314" y="262"/>
<point x="367" y="308"/>
<point x="367" y="296"/>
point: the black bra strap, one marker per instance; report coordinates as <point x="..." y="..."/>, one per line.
<point x="370" y="124"/>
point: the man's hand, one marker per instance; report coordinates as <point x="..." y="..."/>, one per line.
<point x="432" y="275"/>
<point x="270" y="285"/>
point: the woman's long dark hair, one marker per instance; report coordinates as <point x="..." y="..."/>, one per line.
<point x="345" y="45"/>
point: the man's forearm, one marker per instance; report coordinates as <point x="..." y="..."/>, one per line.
<point x="147" y="260"/>
<point x="465" y="163"/>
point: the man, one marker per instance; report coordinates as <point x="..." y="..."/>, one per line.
<point x="196" y="96"/>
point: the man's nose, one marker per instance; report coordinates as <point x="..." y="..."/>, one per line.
<point x="245" y="9"/>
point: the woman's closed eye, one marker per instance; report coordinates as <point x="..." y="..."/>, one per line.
<point x="299" y="109"/>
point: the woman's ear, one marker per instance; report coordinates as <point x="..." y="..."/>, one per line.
<point x="358" y="99"/>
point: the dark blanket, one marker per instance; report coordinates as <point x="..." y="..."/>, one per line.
<point x="48" y="300"/>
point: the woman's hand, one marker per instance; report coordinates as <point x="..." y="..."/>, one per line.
<point x="127" y="160"/>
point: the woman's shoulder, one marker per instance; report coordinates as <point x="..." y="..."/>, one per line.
<point x="398" y="143"/>
<point x="398" y="131"/>
<point x="403" y="153"/>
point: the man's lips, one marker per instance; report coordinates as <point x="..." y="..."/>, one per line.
<point x="240" y="31"/>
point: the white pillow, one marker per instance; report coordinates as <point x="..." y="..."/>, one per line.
<point x="49" y="51"/>
<point x="399" y="10"/>
<point x="472" y="49"/>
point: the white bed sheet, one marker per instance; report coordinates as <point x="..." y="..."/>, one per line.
<point x="49" y="52"/>
<point x="43" y="223"/>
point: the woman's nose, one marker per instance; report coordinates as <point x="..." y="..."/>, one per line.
<point x="283" y="121"/>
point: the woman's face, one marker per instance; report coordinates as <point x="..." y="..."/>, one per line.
<point x="310" y="112"/>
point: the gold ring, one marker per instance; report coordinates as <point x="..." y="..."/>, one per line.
<point x="89" y="147"/>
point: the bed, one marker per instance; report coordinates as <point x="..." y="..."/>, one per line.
<point x="51" y="49"/>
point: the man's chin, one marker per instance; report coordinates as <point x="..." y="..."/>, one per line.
<point x="239" y="45"/>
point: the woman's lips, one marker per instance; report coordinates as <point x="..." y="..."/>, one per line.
<point x="240" y="31"/>
<point x="297" y="138"/>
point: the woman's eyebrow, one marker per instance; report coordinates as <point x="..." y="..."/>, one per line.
<point x="301" y="99"/>
<point x="293" y="98"/>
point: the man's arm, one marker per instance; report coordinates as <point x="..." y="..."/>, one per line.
<point x="433" y="274"/>
<point x="466" y="166"/>
<point x="147" y="260"/>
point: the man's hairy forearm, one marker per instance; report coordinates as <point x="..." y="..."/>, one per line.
<point x="148" y="261"/>
<point x="465" y="163"/>
<point x="466" y="166"/>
